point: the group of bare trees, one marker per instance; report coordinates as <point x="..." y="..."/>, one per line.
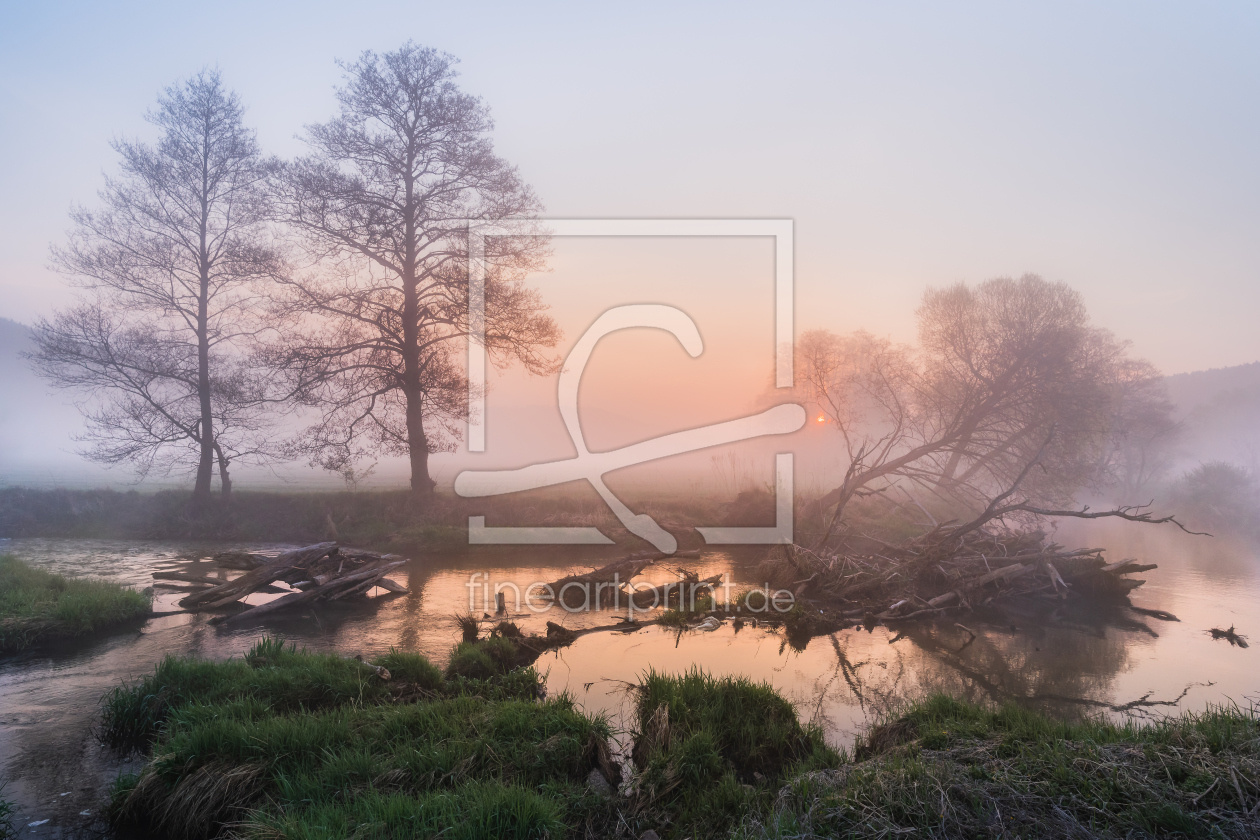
<point x="1010" y="389"/>
<point x="221" y="288"/>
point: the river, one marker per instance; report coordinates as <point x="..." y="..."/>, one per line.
<point x="1063" y="656"/>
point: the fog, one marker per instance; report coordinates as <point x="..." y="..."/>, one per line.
<point x="796" y="383"/>
<point x="1103" y="148"/>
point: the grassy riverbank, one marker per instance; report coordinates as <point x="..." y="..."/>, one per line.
<point x="37" y="606"/>
<point x="948" y="769"/>
<point x="299" y="745"/>
<point x="287" y="744"/>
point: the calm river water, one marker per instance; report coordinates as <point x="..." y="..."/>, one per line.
<point x="1062" y="657"/>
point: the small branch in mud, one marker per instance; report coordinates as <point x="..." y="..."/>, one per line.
<point x="1162" y="615"/>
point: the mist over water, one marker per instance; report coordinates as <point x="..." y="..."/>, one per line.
<point x="1001" y="260"/>
<point x="1070" y="659"/>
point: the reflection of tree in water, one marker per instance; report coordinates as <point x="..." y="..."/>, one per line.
<point x="1060" y="658"/>
<point x="873" y="683"/>
<point x="409" y="633"/>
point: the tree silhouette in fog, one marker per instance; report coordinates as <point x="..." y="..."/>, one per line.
<point x="1007" y="374"/>
<point x="168" y="268"/>
<point x="382" y="206"/>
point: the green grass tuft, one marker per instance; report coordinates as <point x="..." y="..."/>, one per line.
<point x="412" y="668"/>
<point x="7" y="830"/>
<point x="303" y="745"/>
<point x="468" y="627"/>
<point x="712" y="749"/>
<point x="485" y="659"/>
<point x="37" y="606"/>
<point x="483" y="810"/>
<point x="271" y="675"/>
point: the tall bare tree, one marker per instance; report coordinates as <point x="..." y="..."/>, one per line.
<point x="383" y="204"/>
<point x="166" y="269"/>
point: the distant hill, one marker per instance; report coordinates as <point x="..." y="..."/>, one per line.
<point x="1221" y="412"/>
<point x="1191" y="390"/>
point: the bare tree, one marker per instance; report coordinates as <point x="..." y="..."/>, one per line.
<point x="870" y="389"/>
<point x="1012" y="359"/>
<point x="383" y="203"/>
<point x="167" y="268"/>
<point x="1007" y="375"/>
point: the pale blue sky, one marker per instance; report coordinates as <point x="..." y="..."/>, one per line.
<point x="1110" y="145"/>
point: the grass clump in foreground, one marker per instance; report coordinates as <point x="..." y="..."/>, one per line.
<point x="36" y="605"/>
<point x="711" y="751"/>
<point x="285" y="743"/>
<point x="289" y="744"/>
<point x="6" y="817"/>
<point x="944" y="768"/>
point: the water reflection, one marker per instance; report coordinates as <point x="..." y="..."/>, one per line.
<point x="1064" y="656"/>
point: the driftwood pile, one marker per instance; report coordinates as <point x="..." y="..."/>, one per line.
<point x="321" y="572"/>
<point x="946" y="569"/>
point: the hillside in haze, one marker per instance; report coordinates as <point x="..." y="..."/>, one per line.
<point x="1221" y="412"/>
<point x="1191" y="390"/>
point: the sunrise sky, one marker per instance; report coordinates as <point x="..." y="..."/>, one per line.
<point x="1111" y="146"/>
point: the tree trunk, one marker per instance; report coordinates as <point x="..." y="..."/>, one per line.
<point x="417" y="441"/>
<point x="955" y="458"/>
<point x="418" y="445"/>
<point x="205" y="466"/>
<point x="225" y="481"/>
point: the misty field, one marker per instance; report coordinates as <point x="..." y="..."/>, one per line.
<point x="37" y="606"/>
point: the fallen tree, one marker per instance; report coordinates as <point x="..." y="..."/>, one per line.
<point x="935" y="572"/>
<point x="602" y="585"/>
<point x="957" y="565"/>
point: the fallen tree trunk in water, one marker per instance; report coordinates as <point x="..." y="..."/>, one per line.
<point x="321" y="572"/>
<point x="601" y="585"/>
<point x="188" y="578"/>
<point x="687" y="590"/>
<point x="947" y="569"/>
